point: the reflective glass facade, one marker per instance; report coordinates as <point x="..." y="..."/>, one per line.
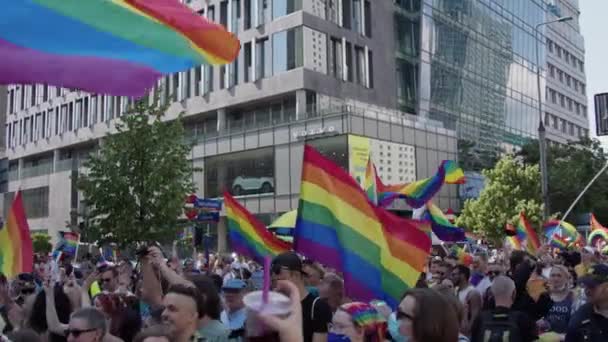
<point x="474" y="65"/>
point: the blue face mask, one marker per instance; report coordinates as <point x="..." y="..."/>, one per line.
<point x="333" y="337"/>
<point x="393" y="329"/>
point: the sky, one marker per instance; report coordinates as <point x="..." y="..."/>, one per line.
<point x="594" y="27"/>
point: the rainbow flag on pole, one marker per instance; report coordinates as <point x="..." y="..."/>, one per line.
<point x="380" y="254"/>
<point x="248" y="236"/>
<point x="16" y="252"/>
<point x="117" y="47"/>
<point x="418" y="193"/>
<point x="67" y="244"/>
<point x="526" y="233"/>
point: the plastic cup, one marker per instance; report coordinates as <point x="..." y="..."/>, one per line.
<point x="278" y="305"/>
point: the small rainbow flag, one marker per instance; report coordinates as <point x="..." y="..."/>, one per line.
<point x="16" y="252"/>
<point x="514" y="242"/>
<point x="369" y="183"/>
<point x="68" y="43"/>
<point x="248" y="236"/>
<point x="380" y="254"/>
<point x="464" y="258"/>
<point x="526" y="233"/>
<point x="441" y="226"/>
<point x="420" y="192"/>
<point x="566" y="230"/>
<point x="68" y="243"/>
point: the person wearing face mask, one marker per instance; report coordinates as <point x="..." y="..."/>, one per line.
<point x="563" y="300"/>
<point x="357" y="322"/>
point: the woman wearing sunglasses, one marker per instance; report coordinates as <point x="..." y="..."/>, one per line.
<point x="426" y="316"/>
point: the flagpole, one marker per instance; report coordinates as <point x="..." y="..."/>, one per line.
<point x="77" y="247"/>
<point x="579" y="198"/>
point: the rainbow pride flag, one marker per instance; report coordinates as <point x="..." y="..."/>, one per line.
<point x="117" y="47"/>
<point x="380" y="254"/>
<point x="418" y="193"/>
<point x="514" y="242"/>
<point x="68" y="243"/>
<point x="369" y="182"/>
<point x="248" y="236"/>
<point x="441" y="225"/>
<point x="597" y="238"/>
<point x="464" y="258"/>
<point x="559" y="241"/>
<point x="16" y="252"/>
<point x="566" y="230"/>
<point x="526" y="233"/>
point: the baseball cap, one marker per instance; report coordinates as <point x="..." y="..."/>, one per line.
<point x="233" y="285"/>
<point x="597" y="274"/>
<point x="288" y="260"/>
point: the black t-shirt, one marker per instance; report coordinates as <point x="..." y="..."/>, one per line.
<point x="585" y="322"/>
<point x="316" y="321"/>
<point x="527" y="327"/>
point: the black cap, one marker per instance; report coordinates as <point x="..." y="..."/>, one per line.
<point x="288" y="260"/>
<point x="596" y="275"/>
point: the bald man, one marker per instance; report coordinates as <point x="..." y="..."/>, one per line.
<point x="501" y="323"/>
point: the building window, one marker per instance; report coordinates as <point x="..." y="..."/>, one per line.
<point x="555" y="122"/>
<point x="550" y="45"/>
<point x="360" y="71"/>
<point x="407" y="81"/>
<point x="347" y="13"/>
<point x="263" y="58"/>
<point x="578" y="108"/>
<point x="236" y="16"/>
<point x="560" y="75"/>
<point x="35" y="202"/>
<point x="211" y="13"/>
<point x="562" y="100"/>
<point x="551" y="70"/>
<point x="547" y="119"/>
<point x="568" y="80"/>
<point x="45" y="93"/>
<point x="33" y="99"/>
<point x="559" y="51"/>
<point x="287" y="50"/>
<point x="581" y="66"/>
<point x="583" y="89"/>
<point x="248" y="10"/>
<point x="367" y="13"/>
<point x="571" y="129"/>
<point x="553" y="96"/>
<point x="569" y="104"/>
<point x="335" y="57"/>
<point x="224" y="14"/>
<point x="94" y="112"/>
<point x="357" y="12"/>
<point x="349" y="62"/>
<point x="223" y="78"/>
<point x="11" y="101"/>
<point x="575" y="84"/>
<point x="285" y="7"/>
<point x="370" y="68"/>
<point x="563" y="125"/>
<point x="248" y="62"/>
<point x="242" y="173"/>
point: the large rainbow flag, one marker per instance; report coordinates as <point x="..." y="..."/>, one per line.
<point x="418" y="193"/>
<point x="527" y="234"/>
<point x="442" y="227"/>
<point x="248" y="236"/>
<point x="380" y="255"/>
<point x="115" y="47"/>
<point x="16" y="252"/>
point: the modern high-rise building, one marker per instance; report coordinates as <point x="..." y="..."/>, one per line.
<point x="402" y="80"/>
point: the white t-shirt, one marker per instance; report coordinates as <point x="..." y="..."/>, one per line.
<point x="483" y="285"/>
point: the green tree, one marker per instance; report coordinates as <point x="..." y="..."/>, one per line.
<point x="41" y="243"/>
<point x="571" y="167"/>
<point x="134" y="188"/>
<point x="510" y="188"/>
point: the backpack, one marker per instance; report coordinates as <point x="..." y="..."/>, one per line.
<point x="498" y="327"/>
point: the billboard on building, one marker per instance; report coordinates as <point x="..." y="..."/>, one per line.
<point x="601" y="114"/>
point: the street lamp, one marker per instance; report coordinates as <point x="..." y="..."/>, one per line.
<point x="542" y="144"/>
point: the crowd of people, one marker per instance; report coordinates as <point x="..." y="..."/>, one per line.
<point x="501" y="296"/>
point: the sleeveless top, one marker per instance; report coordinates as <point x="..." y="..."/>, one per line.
<point x="559" y="314"/>
<point x="462" y="294"/>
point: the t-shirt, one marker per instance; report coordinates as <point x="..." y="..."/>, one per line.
<point x="585" y="320"/>
<point x="316" y="321"/>
<point x="559" y="314"/>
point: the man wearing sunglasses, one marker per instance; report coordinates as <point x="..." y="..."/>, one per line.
<point x="316" y="314"/>
<point x="86" y="325"/>
<point x="108" y="278"/>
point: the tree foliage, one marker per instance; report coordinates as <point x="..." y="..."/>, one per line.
<point x="135" y="186"/>
<point x="41" y="243"/>
<point x="570" y="168"/>
<point x="511" y="187"/>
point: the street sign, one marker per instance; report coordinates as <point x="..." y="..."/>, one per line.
<point x="208" y="204"/>
<point x="208" y="217"/>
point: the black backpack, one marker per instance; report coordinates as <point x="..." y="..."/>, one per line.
<point x="498" y="327"/>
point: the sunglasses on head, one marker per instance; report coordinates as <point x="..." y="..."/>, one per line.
<point x="76" y="332"/>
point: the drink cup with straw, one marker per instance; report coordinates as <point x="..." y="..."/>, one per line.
<point x="264" y="302"/>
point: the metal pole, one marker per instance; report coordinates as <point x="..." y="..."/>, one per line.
<point x="542" y="144"/>
<point x="583" y="193"/>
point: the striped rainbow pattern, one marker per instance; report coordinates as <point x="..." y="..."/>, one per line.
<point x="464" y="258"/>
<point x="566" y="230"/>
<point x="441" y="226"/>
<point x="68" y="242"/>
<point x="16" y="252"/>
<point x="369" y="182"/>
<point x="416" y="194"/>
<point x="559" y="241"/>
<point x="248" y="236"/>
<point x="380" y="254"/>
<point x="598" y="237"/>
<point x="526" y="233"/>
<point x="115" y="47"/>
<point x="514" y="242"/>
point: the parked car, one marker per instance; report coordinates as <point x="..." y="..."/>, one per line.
<point x="242" y="185"/>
